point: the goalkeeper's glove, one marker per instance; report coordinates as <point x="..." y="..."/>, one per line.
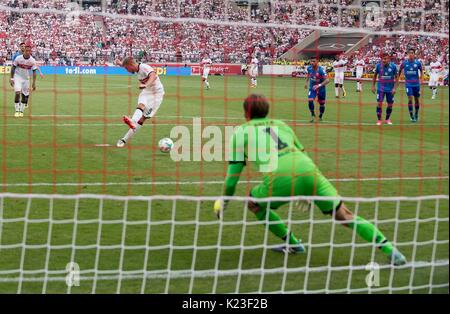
<point x="219" y="207"/>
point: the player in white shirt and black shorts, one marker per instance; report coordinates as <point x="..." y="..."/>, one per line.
<point x="435" y="75"/>
<point x="149" y="100"/>
<point x="359" y="65"/>
<point x="253" y="71"/>
<point x="20" y="79"/>
<point x="339" y="72"/>
<point x="206" y="64"/>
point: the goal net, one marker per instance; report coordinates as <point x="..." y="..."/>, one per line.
<point x="88" y="207"/>
<point x="170" y="244"/>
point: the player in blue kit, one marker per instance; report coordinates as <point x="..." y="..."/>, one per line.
<point x="387" y="84"/>
<point x="318" y="79"/>
<point x="413" y="74"/>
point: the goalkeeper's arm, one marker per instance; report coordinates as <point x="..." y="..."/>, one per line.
<point x="233" y="173"/>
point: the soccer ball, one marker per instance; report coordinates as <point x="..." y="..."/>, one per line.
<point x="165" y="145"/>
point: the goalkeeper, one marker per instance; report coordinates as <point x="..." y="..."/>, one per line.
<point x="288" y="172"/>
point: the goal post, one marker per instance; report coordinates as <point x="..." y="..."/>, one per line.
<point x="174" y="244"/>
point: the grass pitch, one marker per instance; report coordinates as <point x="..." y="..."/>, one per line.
<point x="65" y="144"/>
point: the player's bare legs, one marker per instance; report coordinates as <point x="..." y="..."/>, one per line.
<point x="17" y="104"/>
<point x="135" y="123"/>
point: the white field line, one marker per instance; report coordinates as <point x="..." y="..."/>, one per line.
<point x="209" y="182"/>
<point x="180" y="274"/>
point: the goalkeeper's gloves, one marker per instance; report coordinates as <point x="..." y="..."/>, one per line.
<point x="219" y="207"/>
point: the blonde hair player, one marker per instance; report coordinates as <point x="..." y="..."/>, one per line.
<point x="149" y="100"/>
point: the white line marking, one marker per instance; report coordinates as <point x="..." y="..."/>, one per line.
<point x="208" y="182"/>
<point x="180" y="274"/>
<point x="103" y="145"/>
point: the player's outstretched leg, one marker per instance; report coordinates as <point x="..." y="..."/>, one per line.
<point x="370" y="233"/>
<point x="134" y="123"/>
<point x="278" y="228"/>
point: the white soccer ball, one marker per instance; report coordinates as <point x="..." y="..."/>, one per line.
<point x="165" y="145"/>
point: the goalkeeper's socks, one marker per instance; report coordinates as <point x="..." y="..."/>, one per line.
<point x="17" y="106"/>
<point x="137" y="115"/>
<point x="336" y="90"/>
<point x="21" y="107"/>
<point x="369" y="232"/>
<point x="278" y="228"/>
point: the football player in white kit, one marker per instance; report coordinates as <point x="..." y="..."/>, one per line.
<point x="149" y="100"/>
<point x="206" y="63"/>
<point x="253" y="72"/>
<point x="339" y="70"/>
<point x="20" y="79"/>
<point x="435" y="74"/>
<point x="359" y="64"/>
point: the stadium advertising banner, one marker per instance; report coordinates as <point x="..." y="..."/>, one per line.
<point x="5" y="69"/>
<point x="221" y="68"/>
<point x="87" y="70"/>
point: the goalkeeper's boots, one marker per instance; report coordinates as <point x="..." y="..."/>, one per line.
<point x="121" y="143"/>
<point x="129" y="122"/>
<point x="290" y="249"/>
<point x="16" y="114"/>
<point x="396" y="258"/>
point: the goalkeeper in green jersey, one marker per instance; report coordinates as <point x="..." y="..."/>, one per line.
<point x="288" y="171"/>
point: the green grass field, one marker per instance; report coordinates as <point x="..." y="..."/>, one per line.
<point x="59" y="147"/>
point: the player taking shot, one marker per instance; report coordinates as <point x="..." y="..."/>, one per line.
<point x="149" y="100"/>
<point x="292" y="174"/>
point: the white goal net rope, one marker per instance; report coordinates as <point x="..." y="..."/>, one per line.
<point x="174" y="244"/>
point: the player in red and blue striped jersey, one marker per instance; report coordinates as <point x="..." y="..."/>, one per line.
<point x="318" y="79"/>
<point x="413" y="73"/>
<point x="387" y="84"/>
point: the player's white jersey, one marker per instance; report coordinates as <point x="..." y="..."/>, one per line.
<point x="435" y="68"/>
<point x="143" y="74"/>
<point x="24" y="66"/>
<point x="207" y="63"/>
<point x="254" y="64"/>
<point x="339" y="66"/>
<point x="360" y="64"/>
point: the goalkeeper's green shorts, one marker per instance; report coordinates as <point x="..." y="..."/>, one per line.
<point x="306" y="184"/>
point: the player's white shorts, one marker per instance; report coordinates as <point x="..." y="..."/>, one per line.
<point x="152" y="101"/>
<point x="22" y="85"/>
<point x="434" y="80"/>
<point x="339" y="78"/>
<point x="205" y="73"/>
<point x="253" y="72"/>
<point x="359" y="74"/>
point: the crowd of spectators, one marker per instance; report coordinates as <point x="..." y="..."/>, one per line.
<point x="97" y="39"/>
